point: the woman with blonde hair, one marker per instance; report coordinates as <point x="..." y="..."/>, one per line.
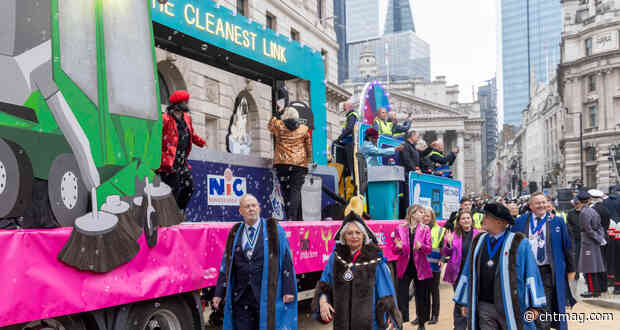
<point x="434" y="258"/>
<point x="293" y="153"/>
<point x="412" y="243"/>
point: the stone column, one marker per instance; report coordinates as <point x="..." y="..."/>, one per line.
<point x="460" y="161"/>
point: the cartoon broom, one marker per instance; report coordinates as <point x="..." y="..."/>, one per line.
<point x="97" y="242"/>
<point x="126" y="218"/>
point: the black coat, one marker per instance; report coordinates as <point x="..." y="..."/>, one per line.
<point x="612" y="203"/>
<point x="603" y="213"/>
<point x="426" y="166"/>
<point x="409" y="158"/>
<point x="572" y="222"/>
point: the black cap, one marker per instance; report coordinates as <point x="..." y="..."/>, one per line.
<point x="583" y="196"/>
<point x="615" y="188"/>
<point x="499" y="211"/>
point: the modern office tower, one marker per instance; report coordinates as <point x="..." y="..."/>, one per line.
<point x="399" y="16"/>
<point x="340" y="23"/>
<point x="408" y="57"/>
<point x="531" y="31"/>
<point x="363" y="20"/>
<point x="487" y="96"/>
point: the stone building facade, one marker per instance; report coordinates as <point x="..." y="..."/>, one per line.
<point x="439" y="116"/>
<point x="590" y="88"/>
<point x="213" y="91"/>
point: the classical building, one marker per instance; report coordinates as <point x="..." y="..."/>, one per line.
<point x="542" y="121"/>
<point x="589" y="77"/>
<point x="215" y="92"/>
<point x="440" y="117"/>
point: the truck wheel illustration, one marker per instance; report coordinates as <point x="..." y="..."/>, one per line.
<point x="15" y="179"/>
<point x="67" y="193"/>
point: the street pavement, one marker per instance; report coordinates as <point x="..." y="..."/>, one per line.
<point x="582" y="309"/>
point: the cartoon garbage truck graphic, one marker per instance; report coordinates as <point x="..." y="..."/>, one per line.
<point x="79" y="103"/>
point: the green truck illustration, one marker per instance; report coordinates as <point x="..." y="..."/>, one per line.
<point x="79" y="103"/>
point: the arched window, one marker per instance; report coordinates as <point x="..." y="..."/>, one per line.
<point x="164" y="90"/>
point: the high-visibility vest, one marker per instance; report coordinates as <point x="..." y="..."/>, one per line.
<point x="478" y="220"/>
<point x="385" y="128"/>
<point x="561" y="214"/>
<point x="435" y="256"/>
<point x="350" y="113"/>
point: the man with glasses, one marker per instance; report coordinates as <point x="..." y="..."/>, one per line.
<point x="257" y="278"/>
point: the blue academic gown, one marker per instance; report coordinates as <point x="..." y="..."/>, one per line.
<point x="383" y="283"/>
<point x="286" y="314"/>
<point x="561" y="251"/>
<point x="529" y="289"/>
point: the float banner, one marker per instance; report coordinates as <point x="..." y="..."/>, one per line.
<point x="218" y="188"/>
<point x="439" y="193"/>
<point x="187" y="257"/>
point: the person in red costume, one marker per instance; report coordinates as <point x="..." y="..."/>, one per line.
<point x="178" y="135"/>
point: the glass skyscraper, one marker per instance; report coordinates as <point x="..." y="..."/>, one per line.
<point x="363" y="20"/>
<point x="531" y="34"/>
<point x="340" y="25"/>
<point x="409" y="57"/>
<point x="399" y="16"/>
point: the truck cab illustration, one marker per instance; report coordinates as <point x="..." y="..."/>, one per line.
<point x="79" y="103"/>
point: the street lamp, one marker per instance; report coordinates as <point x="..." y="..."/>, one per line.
<point x="580" y="138"/>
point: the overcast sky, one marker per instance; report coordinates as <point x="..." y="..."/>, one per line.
<point x="462" y="37"/>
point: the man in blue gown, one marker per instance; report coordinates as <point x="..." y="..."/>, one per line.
<point x="500" y="286"/>
<point x="257" y="277"/>
<point x="552" y="249"/>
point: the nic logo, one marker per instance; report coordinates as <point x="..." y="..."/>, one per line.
<point x="225" y="190"/>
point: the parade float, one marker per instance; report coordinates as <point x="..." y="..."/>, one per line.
<point x="80" y="139"/>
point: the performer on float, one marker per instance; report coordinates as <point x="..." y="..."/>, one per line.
<point x="356" y="289"/>
<point x="257" y="277"/>
<point x="552" y="248"/>
<point x="500" y="281"/>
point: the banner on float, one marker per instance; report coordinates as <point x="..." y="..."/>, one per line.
<point x="439" y="193"/>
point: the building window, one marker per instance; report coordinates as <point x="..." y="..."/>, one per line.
<point x="590" y="154"/>
<point x="592" y="113"/>
<point x="324" y="57"/>
<point x="242" y="7"/>
<point x="589" y="47"/>
<point x="294" y="34"/>
<point x="591" y="176"/>
<point x="319" y="8"/>
<point x="270" y="21"/>
<point x="591" y="83"/>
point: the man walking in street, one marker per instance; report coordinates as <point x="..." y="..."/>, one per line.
<point x="591" y="262"/>
<point x="257" y="278"/>
<point x="552" y="250"/>
<point x="409" y="159"/>
<point x="500" y="285"/>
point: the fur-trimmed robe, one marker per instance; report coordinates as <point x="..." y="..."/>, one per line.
<point x="518" y="286"/>
<point x="274" y="314"/>
<point x="368" y="300"/>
